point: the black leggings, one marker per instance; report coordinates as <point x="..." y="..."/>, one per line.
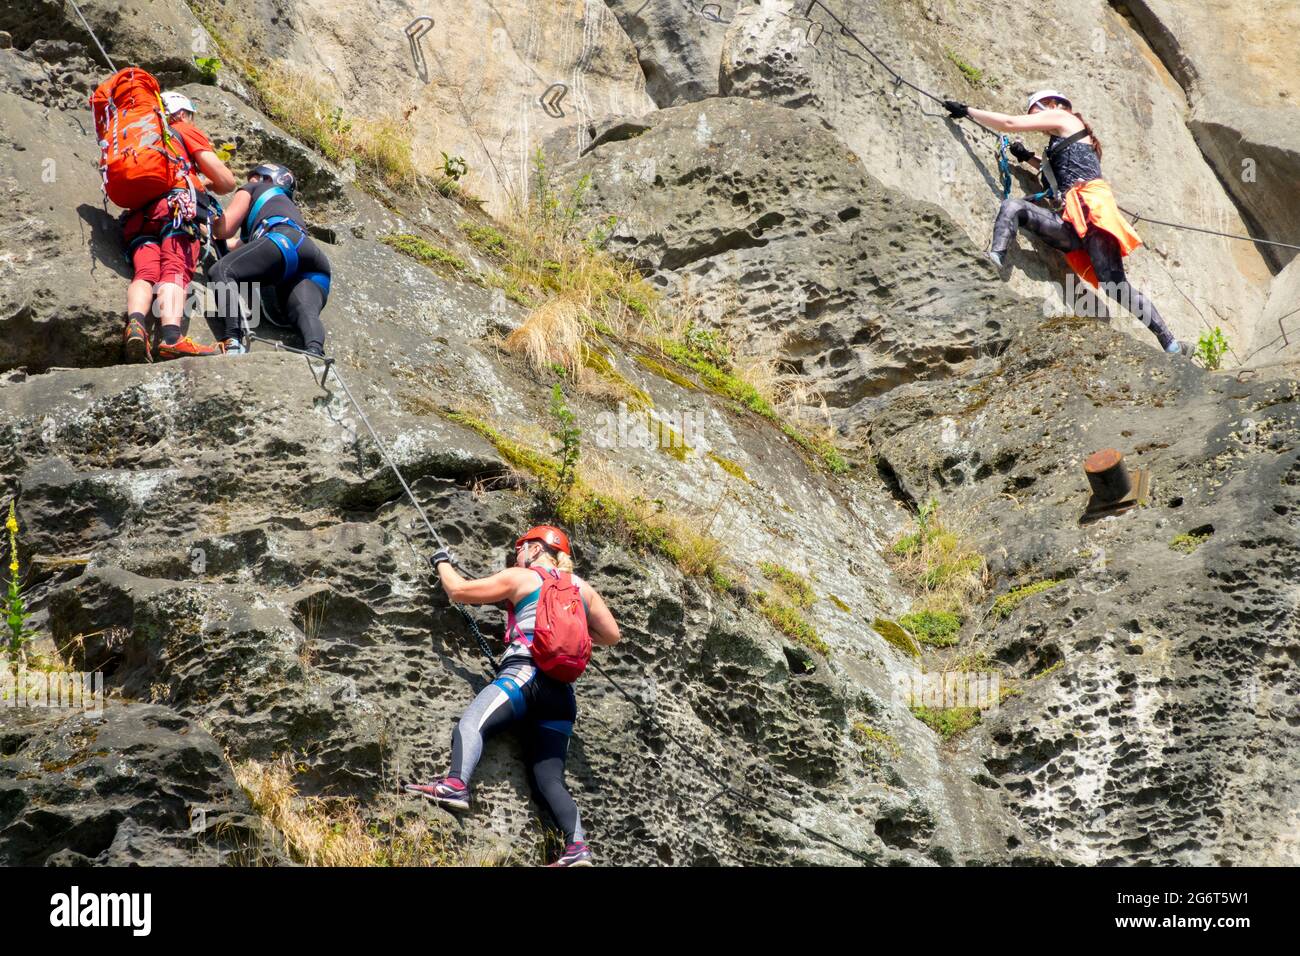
<point x="262" y="261"/>
<point x="548" y="707"/>
<point x="1102" y="248"/>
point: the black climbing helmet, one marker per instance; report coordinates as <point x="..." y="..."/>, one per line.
<point x="277" y="174"/>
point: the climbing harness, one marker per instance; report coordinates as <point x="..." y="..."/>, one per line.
<point x="288" y="247"/>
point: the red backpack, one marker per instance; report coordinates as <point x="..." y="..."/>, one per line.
<point x="141" y="158"/>
<point x="561" y="643"/>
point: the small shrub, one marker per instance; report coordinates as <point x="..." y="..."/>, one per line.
<point x="1211" y="347"/>
<point x="454" y="167"/>
<point x="208" y="67"/>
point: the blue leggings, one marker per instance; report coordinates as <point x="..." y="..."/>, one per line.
<point x="522" y="692"/>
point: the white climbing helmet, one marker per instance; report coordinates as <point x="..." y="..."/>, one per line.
<point x="1046" y="95"/>
<point x="173" y="103"/>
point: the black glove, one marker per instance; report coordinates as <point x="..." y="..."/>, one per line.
<point x="956" y="110"/>
<point x="1022" y="152"/>
<point x="441" y="555"/>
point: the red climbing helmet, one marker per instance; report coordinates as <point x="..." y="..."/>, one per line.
<point x="550" y="536"/>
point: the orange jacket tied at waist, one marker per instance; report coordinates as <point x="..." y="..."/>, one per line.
<point x="1093" y="203"/>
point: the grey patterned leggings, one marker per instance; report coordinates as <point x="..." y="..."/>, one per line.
<point x="548" y="707"/>
<point x="1102" y="248"/>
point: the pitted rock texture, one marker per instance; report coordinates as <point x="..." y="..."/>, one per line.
<point x="309" y="626"/>
<point x="134" y="784"/>
<point x="765" y="218"/>
<point x="1160" y="725"/>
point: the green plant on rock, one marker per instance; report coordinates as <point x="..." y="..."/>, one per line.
<point x="947" y="722"/>
<point x="1189" y="542"/>
<point x="208" y="67"/>
<point x="421" y="250"/>
<point x="16" y="613"/>
<point x="569" y="436"/>
<point x="454" y="167"/>
<point x="939" y="566"/>
<point x="1211" y="347"/>
<point x="936" y="628"/>
<point x="974" y="76"/>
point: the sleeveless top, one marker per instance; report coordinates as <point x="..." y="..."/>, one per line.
<point x="1076" y="163"/>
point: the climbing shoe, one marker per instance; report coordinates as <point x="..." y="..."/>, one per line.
<point x="135" y="342"/>
<point x="185" y="346"/>
<point x="446" y="791"/>
<point x="575" y="854"/>
<point x="234" y="347"/>
<point x="995" y="257"/>
<point x="1179" y="348"/>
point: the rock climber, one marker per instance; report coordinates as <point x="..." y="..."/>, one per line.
<point x="1090" y="229"/>
<point x="164" y="238"/>
<point x="274" y="248"/>
<point x="521" y="690"/>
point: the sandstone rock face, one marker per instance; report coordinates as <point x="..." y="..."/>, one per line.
<point x="1237" y="64"/>
<point x="489" y="81"/>
<point x="679" y="44"/>
<point x="767" y="219"/>
<point x="223" y="541"/>
<point x="134" y="785"/>
<point x="1161" y="727"/>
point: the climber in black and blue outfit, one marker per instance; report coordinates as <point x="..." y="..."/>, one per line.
<point x="274" y="249"/>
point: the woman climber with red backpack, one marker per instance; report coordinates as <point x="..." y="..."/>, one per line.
<point x="1090" y="230"/>
<point x="553" y="618"/>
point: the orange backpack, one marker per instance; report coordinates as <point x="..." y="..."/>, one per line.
<point x="141" y="159"/>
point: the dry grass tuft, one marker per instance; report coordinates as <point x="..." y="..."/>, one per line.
<point x="324" y="831"/>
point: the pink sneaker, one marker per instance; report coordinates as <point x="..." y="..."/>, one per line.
<point x="575" y="854"/>
<point x="446" y="791"/>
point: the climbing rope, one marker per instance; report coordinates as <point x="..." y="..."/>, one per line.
<point x="102" y="51"/>
<point x="331" y="367"/>
<point x="1005" y="170"/>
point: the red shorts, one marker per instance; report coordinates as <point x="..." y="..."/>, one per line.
<point x="166" y="260"/>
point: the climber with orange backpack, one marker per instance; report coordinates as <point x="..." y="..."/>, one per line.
<point x="553" y="618"/>
<point x="152" y="158"/>
<point x="1089" y="228"/>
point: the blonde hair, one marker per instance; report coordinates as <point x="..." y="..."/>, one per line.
<point x="558" y="558"/>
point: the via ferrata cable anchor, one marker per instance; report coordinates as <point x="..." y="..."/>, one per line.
<point x="415" y="31"/>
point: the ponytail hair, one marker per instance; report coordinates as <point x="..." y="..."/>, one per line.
<point x="562" y="561"/>
<point x="1096" y="143"/>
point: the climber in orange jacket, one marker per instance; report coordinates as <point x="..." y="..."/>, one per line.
<point x="1090" y="230"/>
